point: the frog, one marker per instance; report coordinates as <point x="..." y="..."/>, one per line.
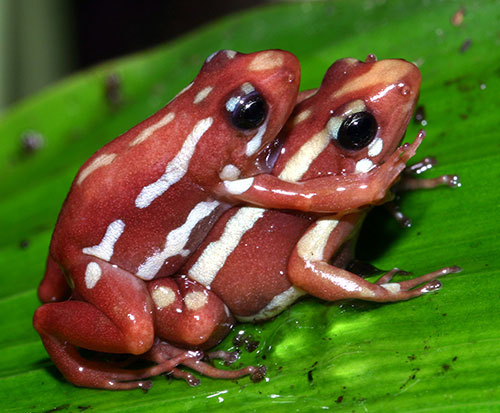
<point x="142" y="204"/>
<point x="348" y="126"/>
<point x="256" y="262"/>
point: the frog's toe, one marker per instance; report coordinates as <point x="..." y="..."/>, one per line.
<point x="414" y="287"/>
<point x="229" y="357"/>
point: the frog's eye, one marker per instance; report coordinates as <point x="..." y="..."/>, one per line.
<point x="247" y="109"/>
<point x="357" y="131"/>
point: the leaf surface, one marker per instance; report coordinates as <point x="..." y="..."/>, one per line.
<point x="439" y="352"/>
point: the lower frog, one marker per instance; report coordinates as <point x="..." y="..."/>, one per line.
<point x="256" y="262"/>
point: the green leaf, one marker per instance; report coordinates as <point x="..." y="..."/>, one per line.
<point x="439" y="352"/>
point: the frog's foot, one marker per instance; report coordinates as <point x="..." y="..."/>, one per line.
<point x="163" y="351"/>
<point x="410" y="182"/>
<point x="102" y="375"/>
<point x="395" y="211"/>
<point x="229" y="357"/>
<point x="414" y="287"/>
<point x="391" y="170"/>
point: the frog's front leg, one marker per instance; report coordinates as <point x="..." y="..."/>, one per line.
<point x="113" y="316"/>
<point x="335" y="193"/>
<point x="410" y="181"/>
<point x="308" y="268"/>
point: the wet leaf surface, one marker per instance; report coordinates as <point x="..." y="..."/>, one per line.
<point x="439" y="352"/>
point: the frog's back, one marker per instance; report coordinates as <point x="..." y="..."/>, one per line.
<point x="156" y="180"/>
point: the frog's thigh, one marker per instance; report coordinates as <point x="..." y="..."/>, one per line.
<point x="308" y="268"/>
<point x="113" y="316"/>
<point x="188" y="314"/>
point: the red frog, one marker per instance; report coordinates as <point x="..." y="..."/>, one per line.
<point x="256" y="262"/>
<point x="141" y="206"/>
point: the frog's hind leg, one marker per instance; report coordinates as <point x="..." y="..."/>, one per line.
<point x="189" y="315"/>
<point x="54" y="286"/>
<point x="114" y="316"/>
<point x="308" y="268"/>
<point x="98" y="374"/>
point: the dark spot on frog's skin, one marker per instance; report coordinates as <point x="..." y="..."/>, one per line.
<point x="113" y="91"/>
<point x="463" y="116"/>
<point x="454" y="359"/>
<point x="339" y="399"/>
<point x="412" y="357"/>
<point x="444" y="314"/>
<point x="83" y="408"/>
<point x="446" y="367"/>
<point x="58" y="408"/>
<point x="264" y="357"/>
<point x="24" y="244"/>
<point x="427" y="347"/>
<point x="465" y="45"/>
<point x="420" y="115"/>
<point x="31" y="142"/>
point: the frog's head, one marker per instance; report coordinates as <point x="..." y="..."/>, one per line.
<point x="354" y="121"/>
<point x="246" y="98"/>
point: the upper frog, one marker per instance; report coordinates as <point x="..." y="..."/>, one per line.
<point x="145" y="200"/>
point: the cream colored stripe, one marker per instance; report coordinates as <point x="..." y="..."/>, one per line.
<point x="301" y="160"/>
<point x="214" y="256"/>
<point x="176" y="240"/>
<point x="146" y="133"/>
<point x="100" y="161"/>
<point x="176" y="168"/>
<point x="106" y="247"/>
<point x="275" y="306"/>
<point x="311" y="246"/>
<point x="390" y="71"/>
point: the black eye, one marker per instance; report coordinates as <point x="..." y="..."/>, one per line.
<point x="248" y="111"/>
<point x="357" y="131"/>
